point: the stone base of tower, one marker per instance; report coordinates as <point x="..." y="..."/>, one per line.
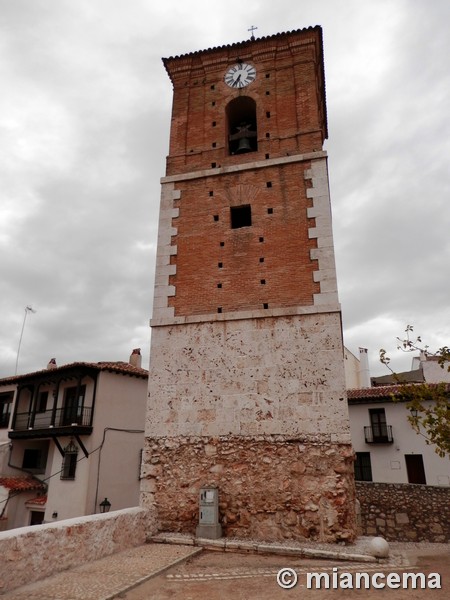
<point x="271" y="487"/>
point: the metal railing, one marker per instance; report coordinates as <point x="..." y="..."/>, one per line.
<point x="378" y="434"/>
<point x="61" y="417"/>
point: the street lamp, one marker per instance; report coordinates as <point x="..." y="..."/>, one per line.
<point x="414" y="412"/>
<point x="105" y="505"/>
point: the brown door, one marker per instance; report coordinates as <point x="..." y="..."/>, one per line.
<point x="415" y="468"/>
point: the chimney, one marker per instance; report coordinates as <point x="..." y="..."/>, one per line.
<point x="135" y="358"/>
<point x="364" y="373"/>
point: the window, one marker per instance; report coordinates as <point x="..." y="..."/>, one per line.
<point x="42" y="402"/>
<point x="380" y="430"/>
<point x="5" y="408"/>
<point x="415" y="468"/>
<point x="73" y="406"/>
<point x="34" y="459"/>
<point x="241" y="216"/>
<point x="363" y="467"/>
<point x="69" y="463"/>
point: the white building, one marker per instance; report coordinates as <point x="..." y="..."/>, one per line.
<point x="387" y="448"/>
<point x="71" y="436"/>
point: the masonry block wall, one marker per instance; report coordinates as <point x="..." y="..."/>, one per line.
<point x="246" y="387"/>
<point x="405" y="512"/>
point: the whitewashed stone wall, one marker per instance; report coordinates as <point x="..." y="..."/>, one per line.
<point x="252" y="376"/>
<point x="32" y="553"/>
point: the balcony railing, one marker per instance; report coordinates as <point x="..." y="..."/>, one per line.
<point x="378" y="434"/>
<point x="61" y="417"/>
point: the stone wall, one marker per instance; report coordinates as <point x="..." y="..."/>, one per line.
<point x="32" y="553"/>
<point x="270" y="487"/>
<point x="403" y="512"/>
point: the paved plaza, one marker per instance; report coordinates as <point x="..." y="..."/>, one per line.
<point x="172" y="571"/>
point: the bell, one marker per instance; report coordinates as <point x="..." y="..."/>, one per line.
<point x="243" y="146"/>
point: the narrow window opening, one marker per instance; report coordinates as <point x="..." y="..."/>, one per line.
<point x="265" y="305"/>
<point x="216" y="218"/>
<point x="219" y="310"/>
<point x="267" y="93"/>
<point x="213" y="87"/>
<point x="261" y="239"/>
<point x="220" y="265"/>
<point x="213" y="165"/>
<point x="219" y="285"/>
<point x="267" y="156"/>
<point x="261" y="260"/>
<point x="268" y="184"/>
<point x="222" y="244"/>
<point x="69" y="465"/>
<point x="241" y="216"/>
<point x="213" y="103"/>
<point x="214" y="144"/>
<point x="267" y="135"/>
<point x="268" y="114"/>
<point x="263" y="282"/>
<point x="211" y="193"/>
<point x="267" y="75"/>
<point x="270" y="211"/>
<point x="214" y="123"/>
<point x="242" y="126"/>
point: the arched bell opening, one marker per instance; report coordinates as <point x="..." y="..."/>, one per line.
<point x="242" y="127"/>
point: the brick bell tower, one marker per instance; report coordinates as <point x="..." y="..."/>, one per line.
<point x="246" y="389"/>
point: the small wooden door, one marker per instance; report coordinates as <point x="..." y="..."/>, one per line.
<point x="415" y="468"/>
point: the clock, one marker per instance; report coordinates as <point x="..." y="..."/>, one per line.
<point x="240" y="75"/>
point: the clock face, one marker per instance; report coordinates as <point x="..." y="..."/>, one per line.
<point x="240" y="75"/>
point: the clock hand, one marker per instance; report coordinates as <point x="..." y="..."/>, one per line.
<point x="236" y="81"/>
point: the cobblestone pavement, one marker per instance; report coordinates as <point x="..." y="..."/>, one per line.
<point x="105" y="578"/>
<point x="230" y="576"/>
<point x="177" y="572"/>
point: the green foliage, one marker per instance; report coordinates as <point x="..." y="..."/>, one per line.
<point x="428" y="403"/>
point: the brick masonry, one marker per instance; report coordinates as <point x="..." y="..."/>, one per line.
<point x="246" y="342"/>
<point x="403" y="512"/>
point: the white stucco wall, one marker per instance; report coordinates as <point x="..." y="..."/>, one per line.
<point x="388" y="460"/>
<point x="121" y="404"/>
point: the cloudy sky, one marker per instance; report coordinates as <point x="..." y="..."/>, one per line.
<point x="84" y="124"/>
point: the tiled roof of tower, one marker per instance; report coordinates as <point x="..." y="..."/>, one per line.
<point x="119" y="367"/>
<point x="22" y="484"/>
<point x="244" y="42"/>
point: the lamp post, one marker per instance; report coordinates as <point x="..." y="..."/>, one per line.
<point x="105" y="505"/>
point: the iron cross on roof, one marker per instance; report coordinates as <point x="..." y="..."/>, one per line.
<point x="252" y="29"/>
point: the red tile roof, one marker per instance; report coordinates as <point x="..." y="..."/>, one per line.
<point x="118" y="367"/>
<point x="41" y="500"/>
<point x="379" y="392"/>
<point x="246" y="42"/>
<point x="22" y="484"/>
